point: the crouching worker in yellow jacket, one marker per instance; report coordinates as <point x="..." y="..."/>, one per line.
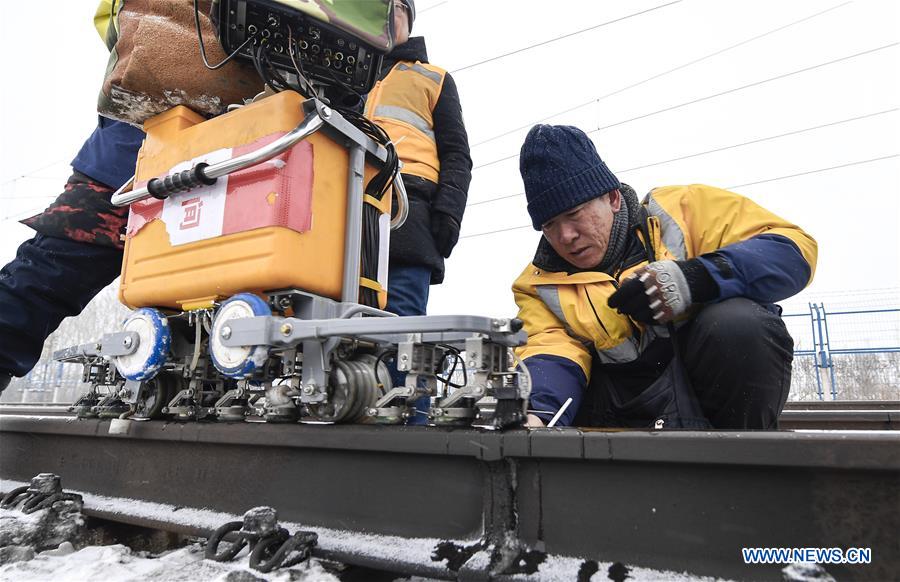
<point x="653" y="314"/>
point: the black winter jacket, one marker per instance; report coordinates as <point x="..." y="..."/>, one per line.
<point x="413" y="244"/>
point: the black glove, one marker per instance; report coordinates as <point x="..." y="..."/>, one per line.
<point x="445" y="230"/>
<point x="662" y="291"/>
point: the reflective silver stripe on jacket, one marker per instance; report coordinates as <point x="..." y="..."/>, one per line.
<point x="407" y="116"/>
<point x="549" y="294"/>
<point x="672" y="235"/>
<point x="431" y="75"/>
<point x="625" y="352"/>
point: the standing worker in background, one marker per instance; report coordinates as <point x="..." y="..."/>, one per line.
<point x="658" y="314"/>
<point x="417" y="104"/>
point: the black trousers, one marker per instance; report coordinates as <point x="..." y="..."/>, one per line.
<point x="737" y="358"/>
<point x="50" y="279"/>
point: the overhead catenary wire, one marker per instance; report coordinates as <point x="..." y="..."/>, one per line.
<point x="30" y="174"/>
<point x="713" y="96"/>
<point x="847" y="165"/>
<point x="21" y="215"/>
<point x="719" y="149"/>
<point x="753" y="183"/>
<point x="432" y="7"/>
<point x="563" y="36"/>
<point x="28" y="197"/>
<point x="662" y="74"/>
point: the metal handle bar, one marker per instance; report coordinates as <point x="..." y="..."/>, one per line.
<point x="314" y="120"/>
<point x="312" y="123"/>
<point x="402" y="203"/>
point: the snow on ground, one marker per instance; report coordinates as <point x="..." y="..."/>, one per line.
<point x="41" y="530"/>
<point x="22" y="534"/>
<point x="22" y="561"/>
<point x="118" y="563"/>
<point x="378" y="546"/>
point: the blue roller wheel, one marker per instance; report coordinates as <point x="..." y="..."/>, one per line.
<point x="154" y="340"/>
<point x="239" y="361"/>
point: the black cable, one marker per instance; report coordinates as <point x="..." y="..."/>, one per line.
<point x="344" y="86"/>
<point x="377" y="188"/>
<point x="370" y="251"/>
<point x="268" y="71"/>
<point x="297" y="61"/>
<point x="203" y="47"/>
<point x="384" y="179"/>
<point x="451" y="351"/>
<point x="381" y="359"/>
<point x="256" y="58"/>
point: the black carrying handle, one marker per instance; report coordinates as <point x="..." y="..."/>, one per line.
<point x="162" y="188"/>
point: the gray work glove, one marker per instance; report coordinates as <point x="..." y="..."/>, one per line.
<point x="662" y="291"/>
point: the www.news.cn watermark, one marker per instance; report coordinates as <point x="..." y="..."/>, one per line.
<point x="809" y="555"/>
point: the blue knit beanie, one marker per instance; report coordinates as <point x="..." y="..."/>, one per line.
<point x="561" y="169"/>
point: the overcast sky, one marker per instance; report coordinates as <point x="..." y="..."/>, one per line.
<point x="828" y="78"/>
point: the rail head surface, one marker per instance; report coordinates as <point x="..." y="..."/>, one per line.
<point x="858" y="449"/>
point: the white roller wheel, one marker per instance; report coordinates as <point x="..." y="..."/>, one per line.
<point x="154" y="340"/>
<point x="238" y="361"/>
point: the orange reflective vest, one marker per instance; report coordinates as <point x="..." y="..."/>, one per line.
<point x="402" y="103"/>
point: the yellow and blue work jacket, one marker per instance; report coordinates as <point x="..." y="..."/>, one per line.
<point x="569" y="324"/>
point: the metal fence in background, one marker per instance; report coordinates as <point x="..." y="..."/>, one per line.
<point x="845" y="354"/>
<point x="49" y="381"/>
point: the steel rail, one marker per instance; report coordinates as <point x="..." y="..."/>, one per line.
<point x="843" y="405"/>
<point x="828" y="415"/>
<point x="30" y="409"/>
<point x="790" y="405"/>
<point x="684" y="501"/>
<point x="837" y="419"/>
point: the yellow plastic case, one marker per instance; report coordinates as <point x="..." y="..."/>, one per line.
<point x="194" y="275"/>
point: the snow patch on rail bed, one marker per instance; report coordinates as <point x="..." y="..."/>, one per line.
<point x="381" y="548"/>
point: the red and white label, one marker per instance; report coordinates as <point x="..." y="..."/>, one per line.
<point x="200" y="213"/>
<point x="191" y="213"/>
<point x="274" y="193"/>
